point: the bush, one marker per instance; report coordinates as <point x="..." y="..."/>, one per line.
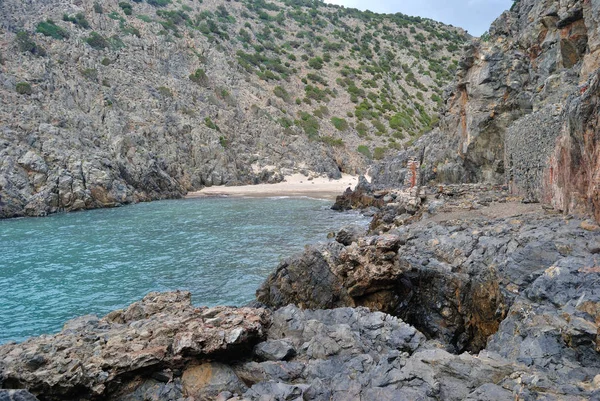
<point x="362" y="129"/>
<point x="164" y="91"/>
<point x="339" y="123"/>
<point x="126" y="7"/>
<point x="281" y="93"/>
<point x="90" y="73"/>
<point x="210" y="124"/>
<point x="78" y="19"/>
<point x="26" y="44"/>
<point x="24" y="88"/>
<point x="97" y="41"/>
<point x="309" y="124"/>
<point x="378" y="153"/>
<point x="365" y="151"/>
<point x="316" y="63"/>
<point x="98" y="8"/>
<point x="331" y="141"/>
<point x="159" y="3"/>
<point x="223" y="141"/>
<point x="199" y="77"/>
<point x="49" y="28"/>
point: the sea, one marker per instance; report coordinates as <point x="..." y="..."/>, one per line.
<point x="55" y="268"/>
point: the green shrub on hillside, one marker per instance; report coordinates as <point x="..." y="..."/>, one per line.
<point x="339" y="123"/>
<point x="126" y="7"/>
<point x="97" y="41"/>
<point x="281" y="93"/>
<point x="210" y="124"/>
<point x="28" y="45"/>
<point x="159" y="3"/>
<point x="199" y="77"/>
<point x="78" y="19"/>
<point x="316" y="63"/>
<point x="49" y="28"/>
<point x="309" y="124"/>
<point x="365" y="151"/>
<point x="24" y="88"/>
<point x="378" y="153"/>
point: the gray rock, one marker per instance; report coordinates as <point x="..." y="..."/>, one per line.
<point x="16" y="395"/>
<point x="274" y="350"/>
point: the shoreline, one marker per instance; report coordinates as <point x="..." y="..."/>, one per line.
<point x="295" y="185"/>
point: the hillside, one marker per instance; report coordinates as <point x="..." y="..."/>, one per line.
<point x="106" y="103"/>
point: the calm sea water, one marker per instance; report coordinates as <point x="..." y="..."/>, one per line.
<point x="55" y="268"/>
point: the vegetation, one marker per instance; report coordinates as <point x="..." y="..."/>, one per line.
<point x="24" y="88"/>
<point x="199" y="77"/>
<point x="97" y="41"/>
<point x="49" y="28"/>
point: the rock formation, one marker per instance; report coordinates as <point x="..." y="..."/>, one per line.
<point x="523" y="110"/>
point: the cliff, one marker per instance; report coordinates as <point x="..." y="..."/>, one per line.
<point x="523" y="110"/>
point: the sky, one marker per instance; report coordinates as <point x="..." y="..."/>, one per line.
<point x="472" y="15"/>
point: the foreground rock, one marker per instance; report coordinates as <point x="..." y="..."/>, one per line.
<point x="476" y="270"/>
<point x="136" y="350"/>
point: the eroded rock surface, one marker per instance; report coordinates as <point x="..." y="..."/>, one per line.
<point x="92" y="358"/>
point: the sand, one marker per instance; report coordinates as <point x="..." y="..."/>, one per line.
<point x="294" y="186"/>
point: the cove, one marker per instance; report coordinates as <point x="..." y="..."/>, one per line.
<point x="62" y="266"/>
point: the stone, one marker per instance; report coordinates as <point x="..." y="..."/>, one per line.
<point x="204" y="382"/>
<point x="16" y="395"/>
<point x="160" y="332"/>
<point x="274" y="350"/>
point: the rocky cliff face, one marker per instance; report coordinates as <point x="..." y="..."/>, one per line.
<point x="523" y="110"/>
<point x="106" y="103"/>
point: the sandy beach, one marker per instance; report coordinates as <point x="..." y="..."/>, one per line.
<point x="294" y="185"/>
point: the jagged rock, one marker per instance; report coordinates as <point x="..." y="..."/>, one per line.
<point x="349" y="234"/>
<point x="274" y="350"/>
<point x="522" y="110"/>
<point x="204" y="382"/>
<point x="16" y="395"/>
<point x="91" y="357"/>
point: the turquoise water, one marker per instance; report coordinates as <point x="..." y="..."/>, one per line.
<point x="55" y="268"/>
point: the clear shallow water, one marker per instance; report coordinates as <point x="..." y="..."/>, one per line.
<point x="55" y="268"/>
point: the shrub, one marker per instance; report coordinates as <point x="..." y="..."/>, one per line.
<point x="97" y="41"/>
<point x="159" y="3"/>
<point x="164" y="91"/>
<point x="339" y="123"/>
<point x="49" y="28"/>
<point x="98" y="8"/>
<point x="281" y="93"/>
<point x="210" y="124"/>
<point x="362" y="129"/>
<point x="331" y="141"/>
<point x="199" y="77"/>
<point x="365" y="151"/>
<point x="78" y="19"/>
<point x="26" y="44"/>
<point x="309" y="124"/>
<point x="316" y="63"/>
<point x="126" y="7"/>
<point x="24" y="88"/>
<point x="223" y="141"/>
<point x="90" y="73"/>
<point x="378" y="153"/>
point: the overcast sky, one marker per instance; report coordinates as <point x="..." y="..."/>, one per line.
<point x="472" y="15"/>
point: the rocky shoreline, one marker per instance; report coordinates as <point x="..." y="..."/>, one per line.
<point x="455" y="293"/>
